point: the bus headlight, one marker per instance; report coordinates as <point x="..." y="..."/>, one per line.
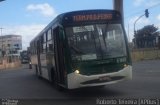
<point x="125" y="65"/>
<point x="77" y="71"/>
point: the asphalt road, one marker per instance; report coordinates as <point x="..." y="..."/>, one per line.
<point x="22" y="84"/>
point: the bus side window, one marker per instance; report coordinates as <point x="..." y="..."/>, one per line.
<point x="50" y="47"/>
<point x="49" y="41"/>
<point x="49" y="35"/>
<point x="44" y="43"/>
<point x="41" y="44"/>
<point x="44" y="47"/>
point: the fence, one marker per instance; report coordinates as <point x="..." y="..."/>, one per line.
<point x="145" y="54"/>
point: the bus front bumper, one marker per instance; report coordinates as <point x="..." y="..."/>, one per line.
<point x="76" y="80"/>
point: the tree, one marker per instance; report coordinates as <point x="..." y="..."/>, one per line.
<point x="146" y="37"/>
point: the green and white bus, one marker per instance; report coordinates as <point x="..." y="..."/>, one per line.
<point x="82" y="49"/>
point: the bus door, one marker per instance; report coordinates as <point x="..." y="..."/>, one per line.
<point x="38" y="57"/>
<point x="59" y="55"/>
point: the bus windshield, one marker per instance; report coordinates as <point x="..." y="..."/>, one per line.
<point x="98" y="41"/>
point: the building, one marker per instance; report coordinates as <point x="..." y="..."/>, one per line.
<point x="10" y="45"/>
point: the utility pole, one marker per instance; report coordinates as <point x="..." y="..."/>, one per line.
<point x="128" y="33"/>
<point x="118" y="5"/>
<point x="1" y="39"/>
<point x="1" y="57"/>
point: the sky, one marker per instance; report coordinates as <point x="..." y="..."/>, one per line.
<point x="28" y="17"/>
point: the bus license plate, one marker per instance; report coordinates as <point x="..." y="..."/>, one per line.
<point x="105" y="78"/>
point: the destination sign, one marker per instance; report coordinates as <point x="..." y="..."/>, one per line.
<point x="92" y="17"/>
